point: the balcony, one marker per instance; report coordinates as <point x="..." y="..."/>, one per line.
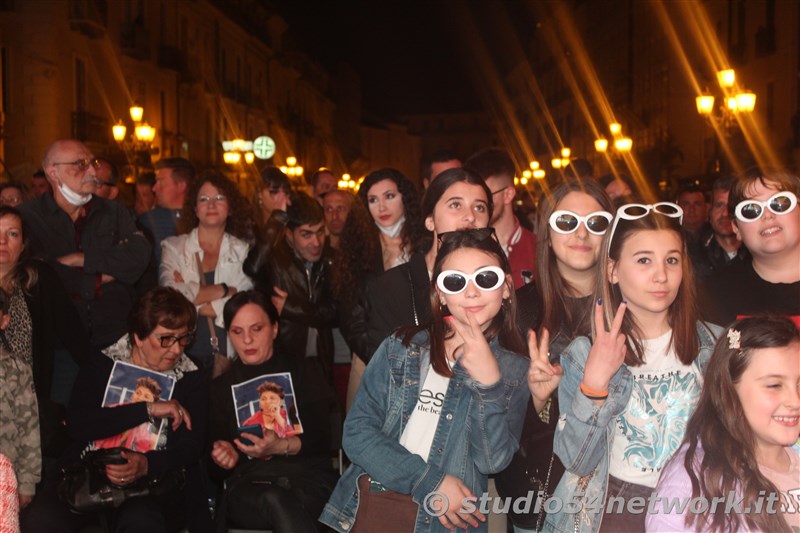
<point x="90" y="128"/>
<point x="89" y="17"/>
<point x="134" y="41"/>
<point x="171" y="57"/>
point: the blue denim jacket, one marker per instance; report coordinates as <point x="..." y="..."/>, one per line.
<point x="585" y="431"/>
<point x="477" y="434"/>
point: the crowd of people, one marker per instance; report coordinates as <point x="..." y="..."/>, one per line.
<point x="607" y="349"/>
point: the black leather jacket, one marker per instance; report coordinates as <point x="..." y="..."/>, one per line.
<point x="309" y="303"/>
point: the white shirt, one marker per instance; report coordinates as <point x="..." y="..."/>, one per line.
<point x="417" y="436"/>
<point x="650" y="430"/>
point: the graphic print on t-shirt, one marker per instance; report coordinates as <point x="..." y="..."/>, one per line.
<point x="418" y="434"/>
<point x="665" y="392"/>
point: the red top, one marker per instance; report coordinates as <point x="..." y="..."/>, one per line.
<point x="521" y="250"/>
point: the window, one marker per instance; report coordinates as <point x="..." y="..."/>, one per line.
<point x="80" y="85"/>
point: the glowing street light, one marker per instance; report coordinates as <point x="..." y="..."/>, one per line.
<point x="137" y="112"/>
<point x="615" y="128"/>
<point x="623" y="144"/>
<point x="726" y="78"/>
<point x="565" y="153"/>
<point x="601" y="144"/>
<point x="538" y="174"/>
<point x="534" y="165"/>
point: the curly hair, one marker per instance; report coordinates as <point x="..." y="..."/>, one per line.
<point x="240" y="220"/>
<point x="360" y="252"/>
<point x="360" y="242"/>
<point x="413" y="230"/>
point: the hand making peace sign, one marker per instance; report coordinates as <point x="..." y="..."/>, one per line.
<point x="543" y="377"/>
<point x="608" y="349"/>
<point x="476" y="355"/>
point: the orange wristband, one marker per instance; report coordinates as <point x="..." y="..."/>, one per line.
<point x="593" y="394"/>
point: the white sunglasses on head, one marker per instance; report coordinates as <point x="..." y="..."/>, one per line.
<point x="637" y="211"/>
<point x="779" y="203"/>
<point x="488" y="278"/>
<point x="566" y="222"/>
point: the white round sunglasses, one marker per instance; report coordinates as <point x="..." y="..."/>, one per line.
<point x="780" y="203"/>
<point x="488" y="278"/>
<point x="566" y="222"/>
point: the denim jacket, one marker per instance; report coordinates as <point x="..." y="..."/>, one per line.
<point x="477" y="434"/>
<point x="585" y="432"/>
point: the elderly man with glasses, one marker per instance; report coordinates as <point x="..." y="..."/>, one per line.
<point x="92" y="243"/>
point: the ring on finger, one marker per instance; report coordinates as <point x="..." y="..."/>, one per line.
<point x="180" y="412"/>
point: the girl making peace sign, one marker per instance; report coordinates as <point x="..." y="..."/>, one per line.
<point x="627" y="393"/>
<point x="440" y="406"/>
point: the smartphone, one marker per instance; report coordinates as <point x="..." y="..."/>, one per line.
<point x="253" y="429"/>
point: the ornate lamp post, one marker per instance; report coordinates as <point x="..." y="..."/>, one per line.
<point x="139" y="143"/>
<point x="725" y="117"/>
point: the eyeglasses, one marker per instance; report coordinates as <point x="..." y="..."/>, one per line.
<point x="566" y="222"/>
<point x="486" y="279"/>
<point x="498" y="191"/>
<point x="779" y="203"/>
<point x="637" y="211"/>
<point x="479" y="233"/>
<point x="204" y="199"/>
<point x="168" y="341"/>
<point x="82" y="164"/>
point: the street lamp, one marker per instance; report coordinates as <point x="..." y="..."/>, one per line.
<point x="292" y="169"/>
<point x="736" y="102"/>
<point x="621" y="143"/>
<point x="237" y="149"/>
<point x="140" y="142"/>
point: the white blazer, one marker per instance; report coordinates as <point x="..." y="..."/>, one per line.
<point x="178" y="253"/>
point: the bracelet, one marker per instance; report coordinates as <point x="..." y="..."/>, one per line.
<point x="593" y="394"/>
<point x="286" y="453"/>
<point x="226" y="289"/>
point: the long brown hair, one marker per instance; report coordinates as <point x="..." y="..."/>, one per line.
<point x="359" y="253"/>
<point x="551" y="286"/>
<point x="503" y="325"/>
<point x="683" y="313"/>
<point x="718" y="427"/>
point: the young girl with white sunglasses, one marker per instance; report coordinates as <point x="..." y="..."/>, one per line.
<point x="626" y="394"/>
<point x="766" y="218"/>
<point x="738" y="441"/>
<point x="440" y="406"/>
<point x="574" y="217"/>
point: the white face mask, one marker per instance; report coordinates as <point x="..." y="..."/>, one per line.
<point x="394" y="230"/>
<point x="74" y="198"/>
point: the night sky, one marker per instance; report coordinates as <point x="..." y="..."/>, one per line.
<point x="408" y="54"/>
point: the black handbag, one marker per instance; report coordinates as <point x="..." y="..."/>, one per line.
<point x="86" y="489"/>
<point x="533" y="468"/>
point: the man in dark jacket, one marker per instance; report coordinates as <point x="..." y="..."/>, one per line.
<point x="93" y="246"/>
<point x="92" y="243"/>
<point x="299" y="265"/>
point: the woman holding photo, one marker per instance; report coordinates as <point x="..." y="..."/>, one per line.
<point x="161" y="325"/>
<point x="290" y="480"/>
